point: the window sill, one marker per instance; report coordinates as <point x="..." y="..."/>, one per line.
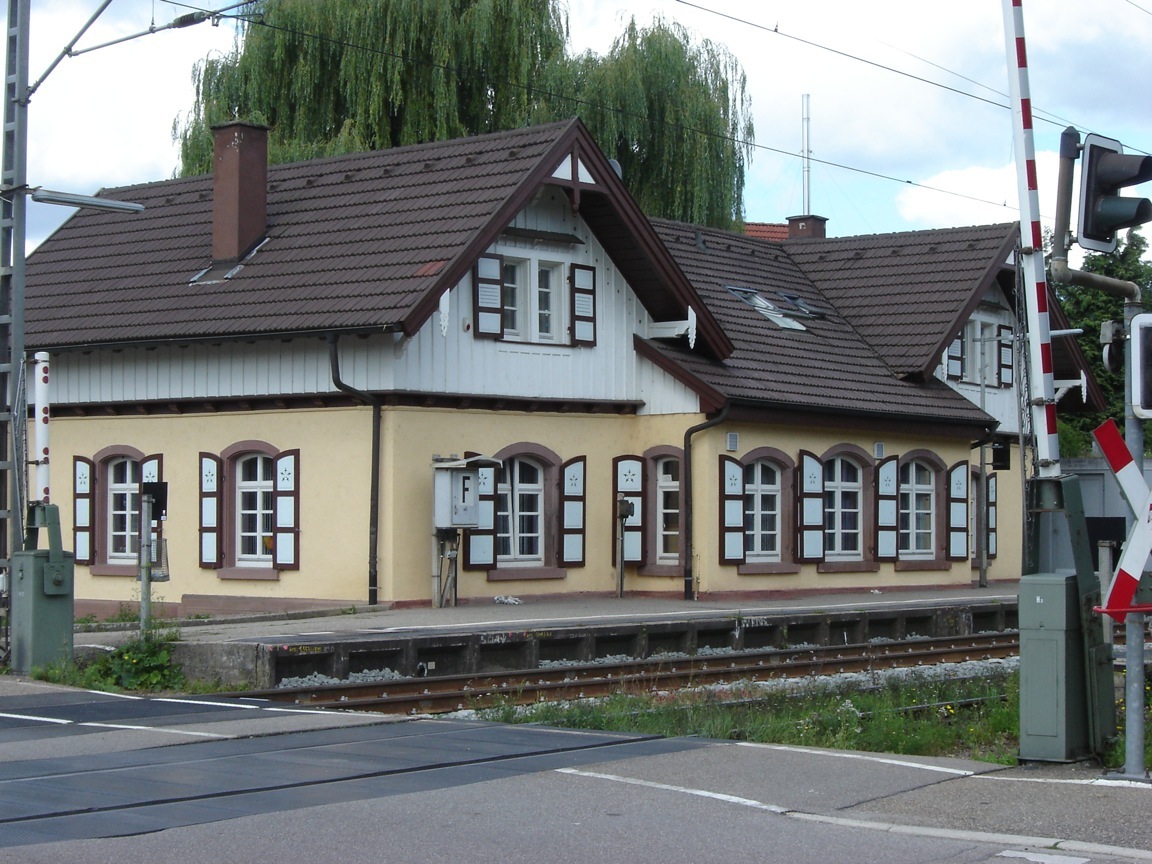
<point x="253" y="574"/>
<point x="514" y="574"/>
<point x="923" y="564"/>
<point x="114" y="570"/>
<point x="766" y="568"/>
<point x="848" y="567"/>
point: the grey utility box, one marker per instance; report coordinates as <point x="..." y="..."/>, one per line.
<point x="1053" y="692"/>
<point x="41" y="586"/>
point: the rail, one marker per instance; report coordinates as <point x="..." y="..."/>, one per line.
<point x="434" y="695"/>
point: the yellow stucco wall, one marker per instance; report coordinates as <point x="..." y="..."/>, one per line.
<point x="334" y="483"/>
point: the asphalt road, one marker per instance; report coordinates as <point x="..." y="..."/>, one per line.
<point x="95" y="778"/>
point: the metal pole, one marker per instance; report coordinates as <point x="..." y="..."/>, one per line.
<point x="145" y="566"/>
<point x="1134" y="695"/>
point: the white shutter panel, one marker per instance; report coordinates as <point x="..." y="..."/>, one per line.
<point x="958" y="511"/>
<point x="487" y="300"/>
<point x="583" y="284"/>
<point x="211" y="512"/>
<point x="572" y="513"/>
<point x="731" y="511"/>
<point x="286" y="511"/>
<point x="1004" y="353"/>
<point x="480" y="542"/>
<point x="954" y="359"/>
<point x="810" y="500"/>
<point x="629" y="481"/>
<point x="991" y="516"/>
<point x="83" y="497"/>
<point x="887" y="509"/>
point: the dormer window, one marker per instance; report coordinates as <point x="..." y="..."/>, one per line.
<point x="534" y="299"/>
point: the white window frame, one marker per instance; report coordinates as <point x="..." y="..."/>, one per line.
<point x="530" y="301"/>
<point x="519" y="514"/>
<point x="983" y="352"/>
<point x="917" y="523"/>
<point x="263" y="487"/>
<point x="667" y="510"/>
<point x="126" y="537"/>
<point x="837" y="512"/>
<point x="755" y="512"/>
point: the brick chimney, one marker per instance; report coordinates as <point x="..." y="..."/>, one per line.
<point x="800" y="227"/>
<point x="239" y="189"/>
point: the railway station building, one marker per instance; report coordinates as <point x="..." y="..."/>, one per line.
<point x="291" y="348"/>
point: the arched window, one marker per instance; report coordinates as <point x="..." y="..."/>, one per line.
<point x="520" y="512"/>
<point x="761" y="511"/>
<point x="843" y="501"/>
<point x="668" y="510"/>
<point x="917" y="507"/>
<point x="254" y="487"/>
<point x="123" y="510"/>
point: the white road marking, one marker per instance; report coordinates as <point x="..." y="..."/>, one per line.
<point x="154" y="729"/>
<point x="1098" y="781"/>
<point x="702" y="793"/>
<point x="903" y="763"/>
<point x="1039" y="858"/>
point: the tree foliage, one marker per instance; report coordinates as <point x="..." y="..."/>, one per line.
<point x="339" y="76"/>
<point x="1088" y="308"/>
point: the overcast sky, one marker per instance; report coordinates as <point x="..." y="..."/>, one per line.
<point x="909" y="126"/>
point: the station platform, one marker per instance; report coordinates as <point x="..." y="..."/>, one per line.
<point x="261" y="650"/>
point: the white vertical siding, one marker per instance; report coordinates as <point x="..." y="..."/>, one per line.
<point x="454" y="362"/>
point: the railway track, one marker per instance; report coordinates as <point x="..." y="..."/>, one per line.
<point x="553" y="684"/>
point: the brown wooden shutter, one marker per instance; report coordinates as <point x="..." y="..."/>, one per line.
<point x="211" y="511"/>
<point x="958" y="476"/>
<point x="628" y="474"/>
<point x="991" y="541"/>
<point x="572" y="512"/>
<point x="583" y="284"/>
<point x="83" y="515"/>
<point x="480" y="542"/>
<point x="954" y="358"/>
<point x="286" y="511"/>
<point x="731" y="511"/>
<point x="810" y="508"/>
<point x="887" y="509"/>
<point x="487" y="297"/>
<point x="1004" y="354"/>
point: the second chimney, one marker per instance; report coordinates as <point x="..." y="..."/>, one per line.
<point x="239" y="189"/>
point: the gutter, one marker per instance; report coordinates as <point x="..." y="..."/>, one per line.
<point x="689" y="579"/>
<point x="374" y="483"/>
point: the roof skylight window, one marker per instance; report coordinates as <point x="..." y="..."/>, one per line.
<point x="778" y="313"/>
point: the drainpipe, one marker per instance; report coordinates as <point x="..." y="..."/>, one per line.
<point x="689" y="592"/>
<point x="374" y="493"/>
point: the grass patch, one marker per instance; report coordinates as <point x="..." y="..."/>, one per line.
<point x="142" y="664"/>
<point x="973" y="718"/>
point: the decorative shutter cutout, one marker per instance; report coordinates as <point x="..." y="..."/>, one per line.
<point x="887" y="509"/>
<point x="583" y="284"/>
<point x="286" y="511"/>
<point x="629" y="481"/>
<point x="211" y="511"/>
<point x="480" y="542"/>
<point x="572" y="512"/>
<point x="991" y="516"/>
<point x="1004" y="353"/>
<point x="487" y="301"/>
<point x="83" y="496"/>
<point x="954" y="358"/>
<point x="731" y="511"/>
<point x="958" y="476"/>
<point x="810" y="502"/>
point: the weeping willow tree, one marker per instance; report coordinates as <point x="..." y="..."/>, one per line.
<point x="340" y="76"/>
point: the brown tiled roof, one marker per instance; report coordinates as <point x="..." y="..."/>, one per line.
<point x="907" y="293"/>
<point x="827" y="367"/>
<point x="360" y="242"/>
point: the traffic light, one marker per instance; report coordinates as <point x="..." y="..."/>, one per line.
<point x="1104" y="170"/>
<point x="1142" y="365"/>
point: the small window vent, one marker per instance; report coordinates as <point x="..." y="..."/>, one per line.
<point x="878" y="450"/>
<point x="733" y="442"/>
